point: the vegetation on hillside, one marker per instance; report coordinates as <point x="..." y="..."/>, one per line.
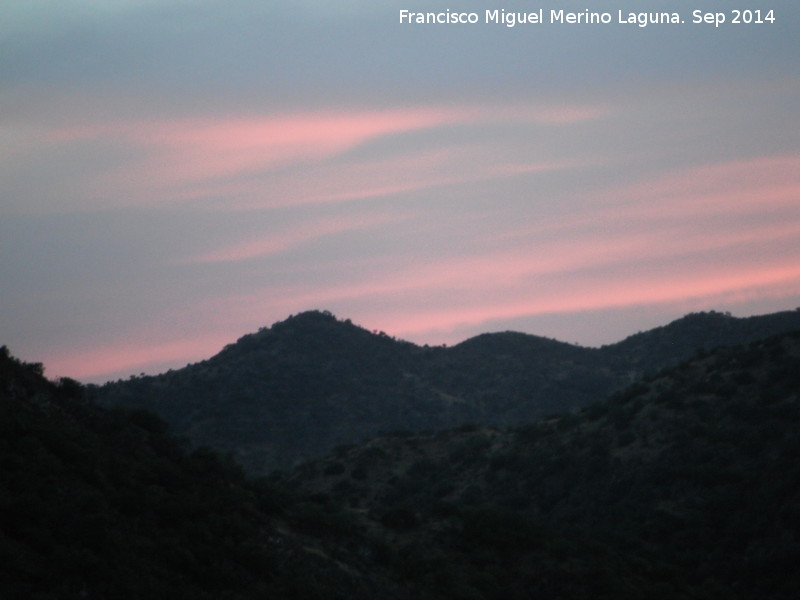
<point x="686" y="484"/>
<point x="105" y="504"/>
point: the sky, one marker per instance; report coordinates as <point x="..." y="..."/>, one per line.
<point x="175" y="174"/>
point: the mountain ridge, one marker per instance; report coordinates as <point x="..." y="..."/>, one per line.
<point x="684" y="485"/>
<point x="299" y="388"/>
<point x="690" y="479"/>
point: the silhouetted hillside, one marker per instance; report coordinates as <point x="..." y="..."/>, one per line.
<point x="685" y="485"/>
<point x="298" y="389"/>
<point x="102" y="504"/>
<point x="652" y="350"/>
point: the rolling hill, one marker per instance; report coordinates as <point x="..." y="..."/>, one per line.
<point x="305" y="385"/>
<point x="684" y="485"/>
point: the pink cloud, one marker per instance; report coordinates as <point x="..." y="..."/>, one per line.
<point x="737" y="186"/>
<point x="694" y="236"/>
<point x="191" y="158"/>
<point x="597" y="255"/>
<point x="444" y="295"/>
<point x="273" y="243"/>
<point x="705" y="290"/>
<point x="569" y="264"/>
<point x="573" y="271"/>
<point x="370" y="178"/>
<point x="192" y="150"/>
<point x="322" y="183"/>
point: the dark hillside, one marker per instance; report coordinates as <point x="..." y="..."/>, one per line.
<point x="684" y="486"/>
<point x="652" y="350"/>
<point x="518" y="378"/>
<point x="97" y="504"/>
<point x="689" y="481"/>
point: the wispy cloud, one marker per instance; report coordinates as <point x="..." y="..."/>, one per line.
<point x="253" y="159"/>
<point x="750" y="185"/>
<point x="185" y="152"/>
<point x="276" y="242"/>
<point x="444" y="321"/>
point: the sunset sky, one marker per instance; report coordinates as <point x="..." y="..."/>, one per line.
<point x="175" y="173"/>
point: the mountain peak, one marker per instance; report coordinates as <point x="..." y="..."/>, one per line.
<point x="310" y="317"/>
<point x="300" y="326"/>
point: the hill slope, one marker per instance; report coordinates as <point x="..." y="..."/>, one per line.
<point x="104" y="504"/>
<point x="687" y="482"/>
<point x="305" y="385"/>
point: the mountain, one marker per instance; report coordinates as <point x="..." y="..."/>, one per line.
<point x="684" y="485"/>
<point x="99" y="504"/>
<point x="312" y="382"/>
<point x="300" y="388"/>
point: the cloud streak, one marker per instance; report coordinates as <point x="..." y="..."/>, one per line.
<point x="271" y="244"/>
<point x="237" y="157"/>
